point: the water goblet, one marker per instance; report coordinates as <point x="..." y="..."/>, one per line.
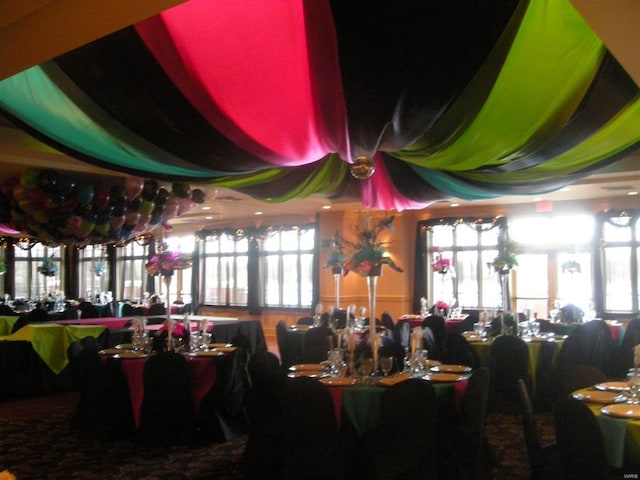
<point x="366" y="367"/>
<point x="478" y="329"/>
<point x="634" y="385"/>
<point x="386" y="364"/>
<point x="535" y="328"/>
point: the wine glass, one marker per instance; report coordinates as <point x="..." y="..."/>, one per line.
<point x="366" y="367"/>
<point x="386" y="363"/>
<point x="535" y="328"/>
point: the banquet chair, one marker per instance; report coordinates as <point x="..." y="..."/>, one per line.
<point x="581" y="376"/>
<point x="543" y="457"/>
<point x="157" y="309"/>
<point x="403" y="444"/>
<point x="580" y="443"/>
<point x="284" y="346"/>
<point x="6" y="310"/>
<point x="167" y="413"/>
<point x="438" y="326"/>
<point x="305" y="321"/>
<point x="596" y="340"/>
<point x="127" y="310"/>
<point x="263" y="456"/>
<point x="88" y="310"/>
<point x="571" y="355"/>
<point x="467" y="324"/>
<point x="38" y="315"/>
<point x="23" y="319"/>
<point x="621" y="356"/>
<point x="310" y="433"/>
<point x="464" y="439"/>
<point x="509" y="362"/>
<point x="317" y="342"/>
<point x="429" y="343"/>
<point x="458" y="351"/>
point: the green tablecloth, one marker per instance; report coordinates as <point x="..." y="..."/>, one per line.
<point x="362" y="404"/>
<point x="51" y="341"/>
<point x="621" y="438"/>
<point x="7" y="323"/>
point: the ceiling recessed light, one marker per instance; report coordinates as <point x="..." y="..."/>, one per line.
<point x="565" y="189"/>
<point x="632" y="193"/>
<point x="209" y="217"/>
<point x="326" y="207"/>
<point x="206" y="208"/>
<point x="258" y="213"/>
<point x="455" y="204"/>
<point x="537" y="199"/>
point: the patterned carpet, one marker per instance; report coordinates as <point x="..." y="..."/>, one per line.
<point x="43" y="446"/>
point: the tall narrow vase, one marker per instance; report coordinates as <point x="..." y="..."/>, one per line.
<point x="372" y="284"/>
<point x="167" y="284"/>
<point x="337" y="271"/>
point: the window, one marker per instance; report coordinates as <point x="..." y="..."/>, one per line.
<point x="283" y="261"/>
<point x="225" y="275"/>
<point x="287" y="268"/>
<point x="469" y="245"/>
<point x="93" y="271"/>
<point x="620" y="261"/>
<point x="38" y="271"/>
<point x="132" y="276"/>
<point x="180" y="288"/>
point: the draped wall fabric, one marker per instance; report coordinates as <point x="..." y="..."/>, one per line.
<point x="472" y="100"/>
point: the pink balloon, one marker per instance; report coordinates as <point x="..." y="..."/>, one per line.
<point x="133" y="186"/>
<point x="117" y="222"/>
<point x="184" y="205"/>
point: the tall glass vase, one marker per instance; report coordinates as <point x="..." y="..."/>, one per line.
<point x="169" y="322"/>
<point x="372" y="285"/>
<point x="337" y="271"/>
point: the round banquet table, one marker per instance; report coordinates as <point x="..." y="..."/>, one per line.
<point x="361" y="404"/>
<point x="621" y="437"/>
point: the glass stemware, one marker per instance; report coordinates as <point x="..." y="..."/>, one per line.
<point x="386" y="364"/>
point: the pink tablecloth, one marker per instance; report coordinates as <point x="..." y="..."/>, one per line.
<point x="416" y="321"/>
<point x="203" y="377"/>
<point x="109" y="322"/>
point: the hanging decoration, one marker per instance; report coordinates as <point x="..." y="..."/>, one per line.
<point x="57" y="207"/>
<point x="48" y="268"/>
<point x="571" y="266"/>
<point x="440" y="264"/>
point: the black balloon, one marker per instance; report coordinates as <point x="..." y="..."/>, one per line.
<point x="162" y="197"/>
<point x="198" y="196"/>
<point x="135" y="203"/>
<point x="150" y="190"/>
<point x="65" y="184"/>
<point x="181" y="190"/>
<point x="47" y="180"/>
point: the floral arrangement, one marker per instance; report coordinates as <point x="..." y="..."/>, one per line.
<point x="506" y="258"/>
<point x="369" y="253"/>
<point x="335" y="253"/>
<point x="48" y="267"/>
<point x="571" y="266"/>
<point x="166" y="262"/>
<point x="440" y="305"/>
<point x="440" y="264"/>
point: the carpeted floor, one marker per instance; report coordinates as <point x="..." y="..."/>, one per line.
<point x="36" y="442"/>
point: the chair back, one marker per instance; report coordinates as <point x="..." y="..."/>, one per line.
<point x="6" y="310"/>
<point x="157" y="309"/>
<point x="305" y="321"/>
<point x="284" y="345"/>
<point x="438" y="326"/>
<point x="38" y="315"/>
<point x="167" y="413"/>
<point x="458" y="351"/>
<point x="127" y="310"/>
<point x="408" y="417"/>
<point x="310" y="431"/>
<point x="580" y="376"/>
<point x="580" y="442"/>
<point x="317" y="342"/>
<point x="510" y="362"/>
<point x="89" y="310"/>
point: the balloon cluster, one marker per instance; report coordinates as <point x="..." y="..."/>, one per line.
<point x="54" y="207"/>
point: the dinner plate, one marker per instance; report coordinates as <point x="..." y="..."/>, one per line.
<point x="339" y="381"/>
<point x="127" y="355"/>
<point x="393" y="379"/>
<point x="300" y="328"/>
<point x="110" y="351"/>
<point x="306" y="366"/>
<point x="207" y="353"/>
<point x="125" y="346"/>
<point x="307" y="373"/>
<point x="444" y="377"/>
<point x="612" y="386"/>
<point x="224" y="349"/>
<point x="622" y="410"/>
<point x="451" y="369"/>
<point x="598" y="396"/>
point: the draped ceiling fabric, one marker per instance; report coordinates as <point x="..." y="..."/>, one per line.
<point x="471" y="100"/>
